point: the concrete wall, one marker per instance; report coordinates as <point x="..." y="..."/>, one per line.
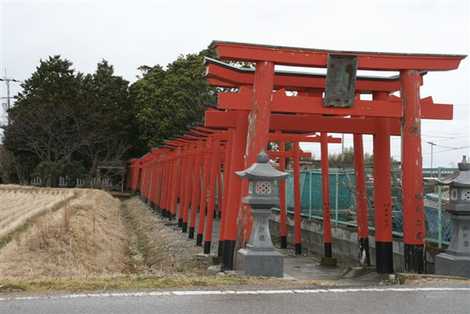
<point x="345" y="243"/>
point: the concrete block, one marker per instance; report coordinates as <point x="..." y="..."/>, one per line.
<point x="328" y="261"/>
<point x="260" y="263"/>
<point x="453" y="265"/>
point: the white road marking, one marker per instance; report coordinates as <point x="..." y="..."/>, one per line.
<point x="230" y="292"/>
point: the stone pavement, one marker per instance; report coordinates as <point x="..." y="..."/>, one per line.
<point x="306" y="267"/>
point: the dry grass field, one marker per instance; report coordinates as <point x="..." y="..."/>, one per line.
<point x="83" y="233"/>
<point x="84" y="239"/>
<point x="61" y="232"/>
<point x="18" y="205"/>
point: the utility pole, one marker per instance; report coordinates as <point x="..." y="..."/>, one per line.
<point x="342" y="145"/>
<point x="432" y="154"/>
<point x="7" y="81"/>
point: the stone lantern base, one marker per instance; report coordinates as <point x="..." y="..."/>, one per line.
<point x="456" y="260"/>
<point x="454" y="265"/>
<point x="260" y="263"/>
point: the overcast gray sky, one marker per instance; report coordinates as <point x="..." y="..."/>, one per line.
<point x="132" y="33"/>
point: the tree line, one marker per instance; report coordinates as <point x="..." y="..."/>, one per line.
<point x="66" y="123"/>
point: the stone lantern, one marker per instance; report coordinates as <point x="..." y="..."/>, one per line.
<point x="260" y="258"/>
<point x="456" y="259"/>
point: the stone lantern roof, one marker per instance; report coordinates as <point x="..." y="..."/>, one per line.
<point x="461" y="178"/>
<point x="261" y="170"/>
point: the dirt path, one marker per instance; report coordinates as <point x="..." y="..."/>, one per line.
<point x="94" y="234"/>
<point x="155" y="247"/>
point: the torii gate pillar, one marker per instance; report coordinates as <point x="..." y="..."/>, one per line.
<point x="361" y="200"/>
<point x="258" y="128"/>
<point x="383" y="200"/>
<point x="234" y="197"/>
<point x="412" y="175"/>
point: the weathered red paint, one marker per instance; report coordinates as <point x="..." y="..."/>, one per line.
<point x="297" y="200"/>
<point x="226" y="186"/>
<point x="258" y="127"/>
<point x="237" y="163"/>
<point x="224" y="75"/>
<point x="361" y="195"/>
<point x="283" y="231"/>
<point x="175" y="183"/>
<point x="318" y="57"/>
<point x="196" y="190"/>
<point x="413" y="206"/>
<point x="204" y="185"/>
<point x="211" y="191"/>
<point x="385" y="108"/>
<point x="305" y="123"/>
<point x="382" y="179"/>
<point x="325" y="189"/>
<point x="188" y="186"/>
<point x="412" y="176"/>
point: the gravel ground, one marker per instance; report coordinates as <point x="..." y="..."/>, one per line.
<point x="156" y="247"/>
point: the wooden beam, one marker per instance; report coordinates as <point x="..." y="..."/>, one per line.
<point x="306" y="123"/>
<point x="314" y="105"/>
<point x="381" y="61"/>
<point x="224" y="75"/>
<point x="278" y="137"/>
<point x="289" y="154"/>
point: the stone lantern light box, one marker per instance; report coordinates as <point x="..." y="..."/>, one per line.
<point x="262" y="177"/>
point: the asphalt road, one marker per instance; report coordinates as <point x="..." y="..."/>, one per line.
<point x="330" y="301"/>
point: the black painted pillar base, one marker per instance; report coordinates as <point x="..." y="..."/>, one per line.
<point x="327" y="259"/>
<point x="191" y="233"/>
<point x="283" y="242"/>
<point x="414" y="258"/>
<point x="220" y="249"/>
<point x="384" y="257"/>
<point x="298" y="248"/>
<point x="207" y="247"/>
<point x="328" y="250"/>
<point x="364" y="250"/>
<point x="184" y="227"/>
<point x="199" y="240"/>
<point x="228" y="253"/>
<point x="180" y="222"/>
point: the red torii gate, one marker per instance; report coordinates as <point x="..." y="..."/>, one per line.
<point x="133" y="174"/>
<point x="261" y="101"/>
<point x="162" y="184"/>
<point x="228" y="227"/>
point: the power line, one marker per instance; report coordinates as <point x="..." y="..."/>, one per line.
<point x="432" y="151"/>
<point x="444" y="137"/>
<point x="450" y="149"/>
